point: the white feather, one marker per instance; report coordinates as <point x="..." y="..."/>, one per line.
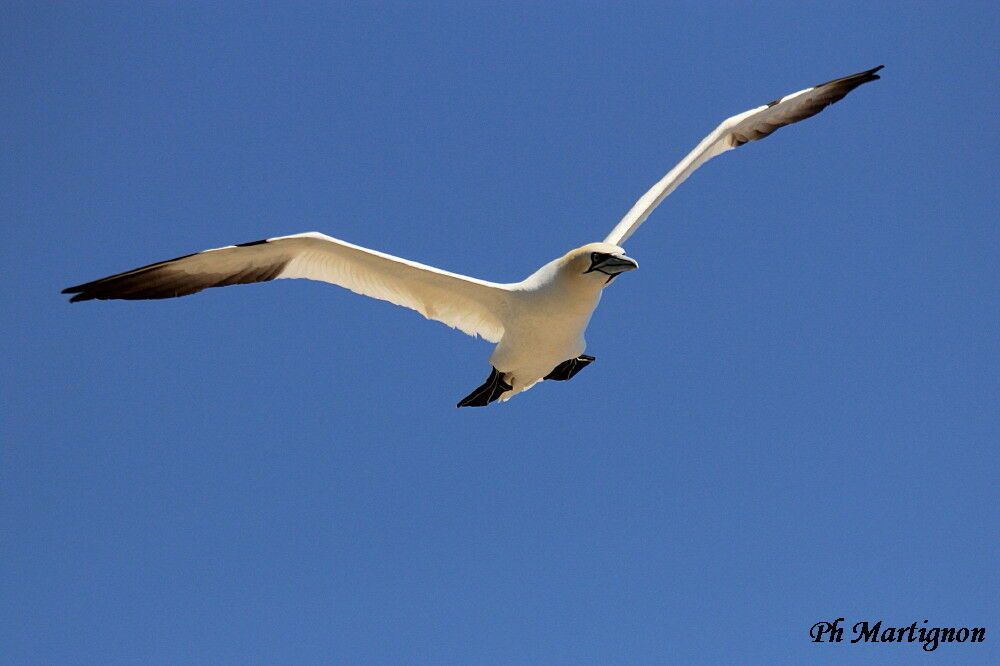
<point x="734" y="132"/>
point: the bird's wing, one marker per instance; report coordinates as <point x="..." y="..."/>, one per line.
<point x="748" y="126"/>
<point x="473" y="306"/>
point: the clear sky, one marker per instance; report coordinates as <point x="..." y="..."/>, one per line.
<point x="793" y="415"/>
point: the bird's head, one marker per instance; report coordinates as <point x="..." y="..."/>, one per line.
<point x="589" y="268"/>
<point x="600" y="262"/>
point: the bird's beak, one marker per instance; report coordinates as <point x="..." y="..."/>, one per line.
<point x="615" y="265"/>
<point x="611" y="266"/>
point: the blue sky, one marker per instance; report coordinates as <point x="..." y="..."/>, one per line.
<point x="793" y="415"/>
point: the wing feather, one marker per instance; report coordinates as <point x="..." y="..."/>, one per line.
<point x="476" y="307"/>
<point x="748" y="126"/>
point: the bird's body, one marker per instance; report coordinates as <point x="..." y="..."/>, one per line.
<point x="537" y="323"/>
<point x="548" y="314"/>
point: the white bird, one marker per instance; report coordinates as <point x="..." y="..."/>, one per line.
<point x="537" y="323"/>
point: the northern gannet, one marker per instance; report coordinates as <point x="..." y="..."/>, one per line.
<point x="537" y="323"/>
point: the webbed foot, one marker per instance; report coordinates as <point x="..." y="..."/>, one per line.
<point x="568" y="369"/>
<point x="491" y="389"/>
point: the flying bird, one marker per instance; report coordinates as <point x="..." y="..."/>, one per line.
<point x="537" y="323"/>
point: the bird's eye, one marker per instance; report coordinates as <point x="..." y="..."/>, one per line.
<point x="597" y="257"/>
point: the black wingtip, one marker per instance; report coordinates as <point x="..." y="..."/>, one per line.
<point x="852" y="81"/>
<point x="871" y="72"/>
<point x="81" y="291"/>
<point x="74" y="290"/>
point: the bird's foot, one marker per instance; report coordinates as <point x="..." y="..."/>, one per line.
<point x="492" y="389"/>
<point x="568" y="369"/>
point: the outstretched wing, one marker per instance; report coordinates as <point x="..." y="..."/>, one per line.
<point x="748" y="126"/>
<point x="473" y="306"/>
